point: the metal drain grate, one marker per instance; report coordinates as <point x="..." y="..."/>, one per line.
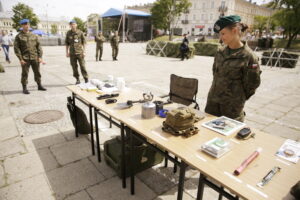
<point x="44" y="116"/>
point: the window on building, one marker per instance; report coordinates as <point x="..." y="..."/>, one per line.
<point x="211" y="16"/>
<point x="212" y="4"/>
<point x="223" y="4"/>
<point x="203" y="5"/>
<point x="195" y="5"/>
<point x="202" y="17"/>
<point x="194" y="17"/>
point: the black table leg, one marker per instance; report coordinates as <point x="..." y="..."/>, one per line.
<point x="183" y="166"/>
<point x="200" y="187"/>
<point x="131" y="167"/>
<point x="175" y="166"/>
<point x="75" y="113"/>
<point x="92" y="131"/>
<point x="123" y="164"/>
<point x="166" y="159"/>
<point x="97" y="135"/>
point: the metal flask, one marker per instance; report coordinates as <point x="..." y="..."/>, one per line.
<point x="148" y="110"/>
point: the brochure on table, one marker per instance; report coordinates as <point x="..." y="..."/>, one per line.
<point x="290" y="150"/>
<point x="224" y="125"/>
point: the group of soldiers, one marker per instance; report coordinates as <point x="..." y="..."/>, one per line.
<point x="28" y="49"/>
<point x="114" y="41"/>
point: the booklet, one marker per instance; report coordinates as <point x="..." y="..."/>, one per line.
<point x="216" y="147"/>
<point x="224" y="125"/>
<point x="290" y="150"/>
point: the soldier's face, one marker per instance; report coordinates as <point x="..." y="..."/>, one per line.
<point x="26" y="27"/>
<point x="73" y="26"/>
<point x="227" y="35"/>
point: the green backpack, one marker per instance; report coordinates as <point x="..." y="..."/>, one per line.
<point x="181" y="121"/>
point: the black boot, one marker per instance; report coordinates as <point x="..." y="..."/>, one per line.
<point x="77" y="81"/>
<point x="86" y="80"/>
<point x="100" y="59"/>
<point x="25" y="91"/>
<point x="40" y="87"/>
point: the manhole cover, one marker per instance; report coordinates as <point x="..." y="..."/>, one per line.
<point x="44" y="116"/>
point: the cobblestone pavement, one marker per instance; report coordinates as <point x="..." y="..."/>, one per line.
<point x="46" y="161"/>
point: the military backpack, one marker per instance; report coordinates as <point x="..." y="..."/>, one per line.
<point x="181" y="121"/>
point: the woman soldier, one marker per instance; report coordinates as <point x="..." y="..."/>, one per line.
<point x="236" y="72"/>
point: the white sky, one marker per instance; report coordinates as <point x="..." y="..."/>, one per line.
<point x="79" y="8"/>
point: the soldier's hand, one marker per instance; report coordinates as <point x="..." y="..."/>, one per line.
<point x="41" y="61"/>
<point x="22" y="62"/>
<point x="68" y="55"/>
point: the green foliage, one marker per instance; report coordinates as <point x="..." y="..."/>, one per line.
<point x="22" y="11"/>
<point x="206" y="48"/>
<point x="164" y="12"/>
<point x="54" y="29"/>
<point x="81" y="25"/>
<point x="260" y="23"/>
<point x="171" y="49"/>
<point x="288" y="17"/>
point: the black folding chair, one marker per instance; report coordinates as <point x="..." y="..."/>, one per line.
<point x="183" y="91"/>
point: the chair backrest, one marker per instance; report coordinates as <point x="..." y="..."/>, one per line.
<point x="183" y="90"/>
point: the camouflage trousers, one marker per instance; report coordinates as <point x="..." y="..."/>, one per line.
<point x="78" y="58"/>
<point x="35" y="65"/>
<point x="99" y="49"/>
<point x="115" y="51"/>
<point x="232" y="110"/>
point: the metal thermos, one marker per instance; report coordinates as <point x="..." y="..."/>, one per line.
<point x="148" y="110"/>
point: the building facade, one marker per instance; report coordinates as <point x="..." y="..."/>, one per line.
<point x="204" y="13"/>
<point x="47" y="24"/>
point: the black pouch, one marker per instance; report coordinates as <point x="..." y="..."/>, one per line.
<point x="244" y="133"/>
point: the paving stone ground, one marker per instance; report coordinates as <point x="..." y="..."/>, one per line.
<point x="46" y="161"/>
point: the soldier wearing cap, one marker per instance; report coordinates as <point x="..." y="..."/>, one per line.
<point x="236" y="72"/>
<point x="28" y="49"/>
<point x="75" y="49"/>
<point x="100" y="39"/>
<point x="114" y="42"/>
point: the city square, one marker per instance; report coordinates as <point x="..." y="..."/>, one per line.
<point x="47" y="162"/>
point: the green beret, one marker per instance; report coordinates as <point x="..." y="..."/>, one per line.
<point x="226" y="21"/>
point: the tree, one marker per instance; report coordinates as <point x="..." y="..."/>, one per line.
<point x="260" y="23"/>
<point x="81" y="25"/>
<point x="164" y="12"/>
<point x="288" y="17"/>
<point x="22" y="11"/>
<point x="54" y="29"/>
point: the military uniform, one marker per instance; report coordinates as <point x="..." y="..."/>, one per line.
<point x="27" y="47"/>
<point x="76" y="40"/>
<point x="236" y="75"/>
<point x="114" y="42"/>
<point x="100" y="39"/>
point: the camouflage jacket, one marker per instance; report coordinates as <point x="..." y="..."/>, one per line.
<point x="100" y="40"/>
<point x="27" y="46"/>
<point x="235" y="76"/>
<point x="114" y="41"/>
<point x="76" y="41"/>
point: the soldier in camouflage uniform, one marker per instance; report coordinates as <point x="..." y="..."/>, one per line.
<point x="100" y="39"/>
<point x="75" y="49"/>
<point x="236" y="72"/>
<point x="114" y="42"/>
<point x="28" y="49"/>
